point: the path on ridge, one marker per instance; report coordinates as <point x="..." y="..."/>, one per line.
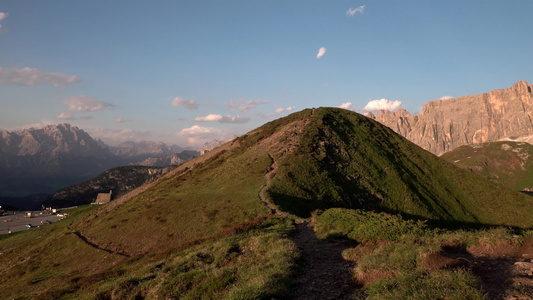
<point x="325" y="274"/>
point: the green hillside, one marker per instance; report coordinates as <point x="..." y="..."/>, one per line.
<point x="508" y="163"/>
<point x="345" y="159"/>
<point x="202" y="230"/>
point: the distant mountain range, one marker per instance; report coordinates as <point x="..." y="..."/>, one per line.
<point x="34" y="163"/>
<point x="443" y="125"/>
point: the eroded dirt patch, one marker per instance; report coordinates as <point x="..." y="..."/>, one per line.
<point x="505" y="270"/>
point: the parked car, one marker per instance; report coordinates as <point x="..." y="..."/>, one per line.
<point x="29" y="226"/>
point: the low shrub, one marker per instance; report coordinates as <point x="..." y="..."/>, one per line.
<point x="366" y="226"/>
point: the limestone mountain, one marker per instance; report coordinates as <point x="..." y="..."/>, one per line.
<point x="206" y="228"/>
<point x="34" y="163"/>
<point x="43" y="160"/>
<point x="445" y="125"/>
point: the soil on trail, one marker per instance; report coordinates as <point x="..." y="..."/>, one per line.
<point x="502" y="276"/>
<point x="325" y="274"/>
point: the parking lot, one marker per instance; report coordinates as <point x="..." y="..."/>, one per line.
<point x="17" y="221"/>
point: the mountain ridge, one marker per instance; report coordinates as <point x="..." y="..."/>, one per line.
<point x="202" y="229"/>
<point x="444" y="125"/>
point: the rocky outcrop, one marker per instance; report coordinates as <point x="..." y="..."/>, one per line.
<point x="119" y="180"/>
<point x="445" y="125"/>
<point x="173" y="159"/>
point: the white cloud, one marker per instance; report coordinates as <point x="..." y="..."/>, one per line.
<point x="121" y="120"/>
<point x="32" y="76"/>
<point x="84" y="103"/>
<point x="382" y="104"/>
<point x="244" y="106"/>
<point x="115" y="137"/>
<point x="446" y="97"/>
<point x="280" y="110"/>
<point x="3" y="15"/>
<point x="198" y="135"/>
<point x="321" y="52"/>
<point x="347" y="105"/>
<point x="65" y="116"/>
<point x="42" y="124"/>
<point x="209" y="118"/>
<point x="187" y="103"/>
<point x="222" y="119"/>
<point x="353" y="11"/>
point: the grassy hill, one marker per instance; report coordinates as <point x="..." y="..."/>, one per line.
<point x="507" y="163"/>
<point x="201" y="229"/>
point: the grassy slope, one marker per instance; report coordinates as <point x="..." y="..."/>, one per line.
<point x="205" y="205"/>
<point x="345" y="159"/>
<point x="507" y="163"/>
<point x="340" y="159"/>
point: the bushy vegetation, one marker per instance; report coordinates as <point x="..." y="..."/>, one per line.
<point x="405" y="259"/>
<point x="507" y="163"/>
<point x="365" y="226"/>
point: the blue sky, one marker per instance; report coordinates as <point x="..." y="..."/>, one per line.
<point x="186" y="72"/>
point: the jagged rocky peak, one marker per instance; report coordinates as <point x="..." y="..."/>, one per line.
<point x="445" y="125"/>
<point x="51" y="139"/>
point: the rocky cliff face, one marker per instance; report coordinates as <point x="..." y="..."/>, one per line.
<point x="445" y="125"/>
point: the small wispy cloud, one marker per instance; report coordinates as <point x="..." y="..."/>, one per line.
<point x="280" y="110"/>
<point x="244" y="106"/>
<point x="352" y="11"/>
<point x="32" y="77"/>
<point x="121" y="120"/>
<point x="114" y="137"/>
<point x="3" y="15"/>
<point x="65" y="116"/>
<point x="382" y="104"/>
<point x="222" y="119"/>
<point x="85" y="103"/>
<point x="346" y="105"/>
<point x="187" y="103"/>
<point x="321" y="52"/>
<point x="446" y="97"/>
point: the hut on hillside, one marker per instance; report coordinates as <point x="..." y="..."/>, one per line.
<point x="103" y="198"/>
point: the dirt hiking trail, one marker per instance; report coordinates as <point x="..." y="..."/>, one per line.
<point x="325" y="274"/>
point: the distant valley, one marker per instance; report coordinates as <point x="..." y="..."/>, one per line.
<point x="35" y="163"/>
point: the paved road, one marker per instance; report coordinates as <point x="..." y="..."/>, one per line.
<point x="17" y="222"/>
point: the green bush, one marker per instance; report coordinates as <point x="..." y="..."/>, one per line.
<point x="366" y="226"/>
